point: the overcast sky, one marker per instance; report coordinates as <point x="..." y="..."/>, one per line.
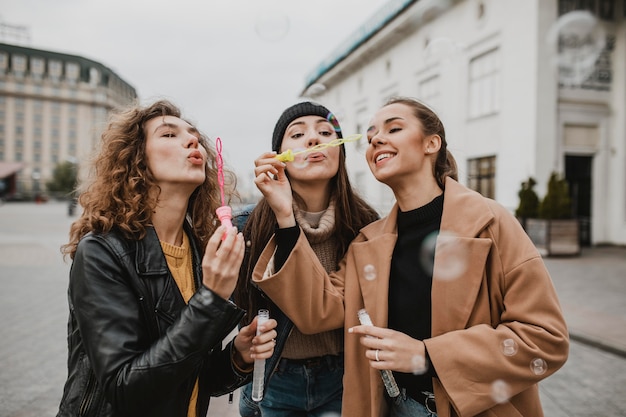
<point x="231" y="65"/>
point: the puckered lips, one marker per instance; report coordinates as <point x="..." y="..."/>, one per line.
<point x="196" y="158"/>
<point x="315" y="157"/>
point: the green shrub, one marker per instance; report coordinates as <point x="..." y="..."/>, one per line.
<point x="528" y="200"/>
<point x="557" y="203"/>
<point x="63" y="178"/>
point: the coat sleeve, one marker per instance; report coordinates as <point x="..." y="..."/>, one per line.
<point x="516" y="335"/>
<point x="303" y="290"/>
<point x="132" y="367"/>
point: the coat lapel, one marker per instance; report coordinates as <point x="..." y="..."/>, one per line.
<point x="373" y="260"/>
<point x="457" y="277"/>
<point x="460" y="257"/>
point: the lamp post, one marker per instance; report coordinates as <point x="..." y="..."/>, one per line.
<point x="36" y="176"/>
<point x="71" y="208"/>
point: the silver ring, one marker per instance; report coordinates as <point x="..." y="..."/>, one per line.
<point x="377" y="360"/>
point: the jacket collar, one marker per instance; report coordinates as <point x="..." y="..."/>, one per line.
<point x="149" y="258"/>
<point x="465" y="212"/>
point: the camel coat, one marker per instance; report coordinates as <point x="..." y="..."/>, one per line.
<point x="497" y="326"/>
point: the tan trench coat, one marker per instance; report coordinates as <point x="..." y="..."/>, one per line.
<point x="490" y="287"/>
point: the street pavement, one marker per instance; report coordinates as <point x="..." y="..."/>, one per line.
<point x="33" y="311"/>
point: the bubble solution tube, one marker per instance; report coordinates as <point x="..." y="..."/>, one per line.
<point x="390" y="382"/>
<point x="258" y="374"/>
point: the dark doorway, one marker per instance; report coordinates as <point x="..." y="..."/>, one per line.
<point x="578" y="176"/>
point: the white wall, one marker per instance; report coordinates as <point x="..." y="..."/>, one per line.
<point x="525" y="134"/>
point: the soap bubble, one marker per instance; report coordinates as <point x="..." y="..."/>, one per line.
<point x="315" y="90"/>
<point x="300" y="160"/>
<point x="500" y="391"/>
<point x="369" y="272"/>
<point x="418" y="365"/>
<point x="538" y="366"/>
<point x="271" y="26"/>
<point x="579" y="39"/>
<point x="427" y="252"/>
<point x="440" y="50"/>
<point x="509" y="347"/>
<point x="452" y="258"/>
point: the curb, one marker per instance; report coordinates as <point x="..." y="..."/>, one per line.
<point x="590" y="341"/>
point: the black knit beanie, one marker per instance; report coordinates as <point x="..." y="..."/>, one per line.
<point x="298" y="110"/>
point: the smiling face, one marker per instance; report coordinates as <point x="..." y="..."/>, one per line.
<point x="306" y="132"/>
<point x="399" y="153"/>
<point x="174" y="155"/>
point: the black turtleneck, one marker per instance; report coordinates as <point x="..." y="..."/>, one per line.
<point x="410" y="282"/>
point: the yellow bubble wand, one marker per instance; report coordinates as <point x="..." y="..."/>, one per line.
<point x="289" y="155"/>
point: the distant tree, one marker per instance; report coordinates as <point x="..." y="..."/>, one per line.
<point x="528" y="200"/>
<point x="63" y="179"/>
<point x="557" y="203"/>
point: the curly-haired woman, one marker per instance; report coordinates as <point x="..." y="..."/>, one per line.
<point x="151" y="277"/>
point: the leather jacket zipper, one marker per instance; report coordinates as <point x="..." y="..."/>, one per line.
<point x="85" y="404"/>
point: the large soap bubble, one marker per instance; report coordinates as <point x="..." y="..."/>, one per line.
<point x="579" y="38"/>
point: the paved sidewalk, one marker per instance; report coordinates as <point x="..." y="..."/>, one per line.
<point x="592" y="291"/>
<point x="33" y="311"/>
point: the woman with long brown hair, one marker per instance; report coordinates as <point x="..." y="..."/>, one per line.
<point x="304" y="375"/>
<point x="466" y="321"/>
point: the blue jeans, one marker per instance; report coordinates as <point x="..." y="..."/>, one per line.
<point x="405" y="406"/>
<point x="307" y="388"/>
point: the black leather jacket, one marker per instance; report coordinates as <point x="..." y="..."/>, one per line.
<point x="135" y="347"/>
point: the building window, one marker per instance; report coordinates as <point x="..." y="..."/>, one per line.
<point x="429" y="92"/>
<point x="37" y="67"/>
<point x="19" y="65"/>
<point x="481" y="175"/>
<point x="94" y="76"/>
<point x="604" y="9"/>
<point x="4" y="62"/>
<point x="55" y="69"/>
<point x="484" y="84"/>
<point x="72" y="71"/>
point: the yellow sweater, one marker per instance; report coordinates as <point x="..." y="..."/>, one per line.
<point x="179" y="262"/>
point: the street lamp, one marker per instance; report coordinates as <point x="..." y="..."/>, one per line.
<point x="71" y="208"/>
<point x="36" y="176"/>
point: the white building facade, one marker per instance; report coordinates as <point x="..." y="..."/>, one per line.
<point x="53" y="108"/>
<point x="524" y="89"/>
